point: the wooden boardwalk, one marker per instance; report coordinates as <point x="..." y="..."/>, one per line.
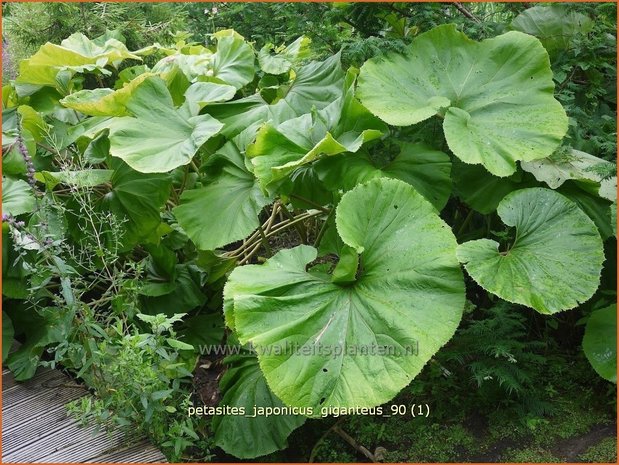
<point x="36" y="428"/>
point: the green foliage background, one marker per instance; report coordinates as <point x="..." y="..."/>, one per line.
<point x="509" y="375"/>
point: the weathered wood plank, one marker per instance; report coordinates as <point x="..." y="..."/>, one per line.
<point x="71" y="444"/>
<point x="90" y="445"/>
<point x="13" y="417"/>
<point x="8" y="380"/>
<point x="13" y="393"/>
<point x="36" y="428"/>
<point x="141" y="452"/>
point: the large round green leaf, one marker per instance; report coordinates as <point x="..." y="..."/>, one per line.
<point x="17" y="197"/>
<point x="480" y="190"/>
<point x="226" y="209"/>
<point x="233" y="63"/>
<point x="304" y="183"/>
<point x="158" y="138"/>
<point x="315" y="85"/>
<point x="78" y="178"/>
<point x="553" y="264"/>
<point x="343" y="126"/>
<point x="182" y="67"/>
<point x="33" y="122"/>
<point x="282" y="61"/>
<point x="496" y="96"/>
<point x="248" y="436"/>
<point x="201" y="94"/>
<point x="42" y="327"/>
<point x="182" y="294"/>
<point x="138" y="199"/>
<point x="553" y="24"/>
<point x="12" y="159"/>
<point x="15" y="274"/>
<point x="565" y="164"/>
<point x="77" y="53"/>
<point x="608" y="188"/>
<point x="322" y="343"/>
<point x="600" y="342"/>
<point x="104" y="102"/>
<point x="593" y="205"/>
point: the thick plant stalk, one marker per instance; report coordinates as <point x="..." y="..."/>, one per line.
<point x="265" y="241"/>
<point x="309" y="202"/>
<point x="466" y="12"/>
<point x="323" y="229"/>
<point x="350" y="440"/>
<point x="299" y="227"/>
<point x="256" y="239"/>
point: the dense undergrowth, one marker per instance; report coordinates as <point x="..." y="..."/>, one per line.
<point x="425" y="177"/>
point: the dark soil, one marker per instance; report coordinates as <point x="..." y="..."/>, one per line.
<point x="567" y="450"/>
<point x="209" y="371"/>
<point x="570" y="449"/>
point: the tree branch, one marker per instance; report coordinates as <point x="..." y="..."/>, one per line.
<point x="350" y="440"/>
<point x="466" y="12"/>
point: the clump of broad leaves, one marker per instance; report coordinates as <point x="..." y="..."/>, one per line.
<point x="407" y="181"/>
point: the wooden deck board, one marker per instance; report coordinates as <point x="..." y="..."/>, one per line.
<point x="9" y="383"/>
<point x="18" y="394"/>
<point x="13" y="417"/>
<point x="36" y="428"/>
<point x="137" y="453"/>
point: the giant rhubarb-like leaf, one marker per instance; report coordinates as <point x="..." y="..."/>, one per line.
<point x="343" y="126"/>
<point x="600" y="342"/>
<point x="555" y="260"/>
<point x="157" y="137"/>
<point x="226" y="209"/>
<point x="355" y="338"/>
<point x="496" y="96"/>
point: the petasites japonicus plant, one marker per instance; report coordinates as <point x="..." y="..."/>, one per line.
<point x="496" y="96"/>
<point x="554" y="261"/>
<point x="341" y="214"/>
<point x="401" y="287"/>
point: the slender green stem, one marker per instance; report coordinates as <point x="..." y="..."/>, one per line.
<point x="299" y="227"/>
<point x="465" y="223"/>
<point x="266" y="226"/>
<point x="184" y="183"/>
<point x="256" y="240"/>
<point x="309" y="202"/>
<point x="323" y="229"/>
<point x="294" y="220"/>
<point x="249" y="254"/>
<point x="46" y="147"/>
<point x="265" y="241"/>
